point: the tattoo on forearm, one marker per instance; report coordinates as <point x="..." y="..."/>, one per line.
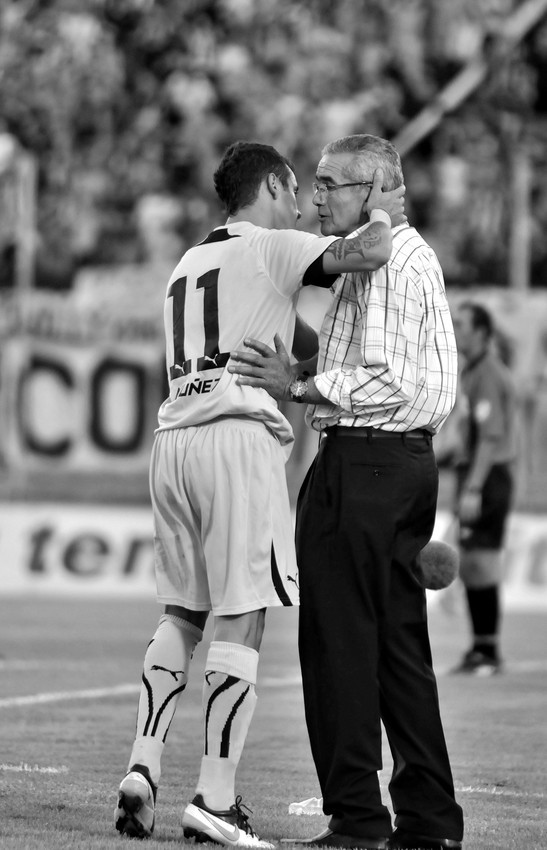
<point x="356" y="245"/>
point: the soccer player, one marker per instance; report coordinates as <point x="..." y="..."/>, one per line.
<point x="222" y="522"/>
<point x="485" y="481"/>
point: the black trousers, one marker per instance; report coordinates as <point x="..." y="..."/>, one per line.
<point x="364" y="512"/>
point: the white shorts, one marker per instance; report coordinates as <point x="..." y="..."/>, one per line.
<point x="223" y="532"/>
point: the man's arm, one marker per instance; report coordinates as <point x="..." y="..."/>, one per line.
<point x="369" y="247"/>
<point x="470" y="501"/>
<point x="385" y="379"/>
<point x="305" y="342"/>
<point x="261" y="366"/>
<point x="487" y="410"/>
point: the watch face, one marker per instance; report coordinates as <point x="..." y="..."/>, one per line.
<point x="298" y="388"/>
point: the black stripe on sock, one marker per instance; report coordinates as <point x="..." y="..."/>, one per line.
<point x="230" y="681"/>
<point x="162" y="708"/>
<point x="148" y="687"/>
<point x="226" y="732"/>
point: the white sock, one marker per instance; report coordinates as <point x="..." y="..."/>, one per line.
<point x="229" y="701"/>
<point x="164" y="678"/>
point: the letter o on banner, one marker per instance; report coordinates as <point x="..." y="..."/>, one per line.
<point x="111" y="378"/>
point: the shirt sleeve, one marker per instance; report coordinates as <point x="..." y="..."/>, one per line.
<point x="315" y="276"/>
<point x="386" y="375"/>
<point x="287" y="254"/>
<point x="487" y="409"/>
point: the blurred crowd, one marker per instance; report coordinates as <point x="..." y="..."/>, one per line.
<point x="125" y="107"/>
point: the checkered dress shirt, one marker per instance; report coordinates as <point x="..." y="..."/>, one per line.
<point x="387" y="351"/>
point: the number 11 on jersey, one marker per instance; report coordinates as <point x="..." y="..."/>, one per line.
<point x="211" y="358"/>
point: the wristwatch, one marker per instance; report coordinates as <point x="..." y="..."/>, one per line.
<point x="299" y="387"/>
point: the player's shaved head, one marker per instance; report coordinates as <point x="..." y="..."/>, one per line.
<point x="242" y="170"/>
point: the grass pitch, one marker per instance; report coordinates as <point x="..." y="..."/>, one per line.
<point x="70" y="672"/>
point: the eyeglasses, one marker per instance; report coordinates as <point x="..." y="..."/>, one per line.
<point x="327" y="188"/>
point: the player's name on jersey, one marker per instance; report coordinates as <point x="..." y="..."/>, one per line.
<point x="201" y="364"/>
<point x="197" y="387"/>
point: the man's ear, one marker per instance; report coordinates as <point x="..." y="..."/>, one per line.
<point x="272" y="184"/>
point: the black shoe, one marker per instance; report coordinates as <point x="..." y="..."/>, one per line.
<point x="403" y="840"/>
<point x="477" y="663"/>
<point x="330" y="838"/>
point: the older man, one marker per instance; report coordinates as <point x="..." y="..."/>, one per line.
<point x="383" y="385"/>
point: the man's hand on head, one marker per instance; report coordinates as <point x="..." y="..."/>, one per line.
<point x="261" y="366"/>
<point x="392" y="202"/>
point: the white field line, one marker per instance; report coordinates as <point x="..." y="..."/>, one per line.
<point x="293" y="680"/>
<point x="34" y="663"/>
<point x="497" y="791"/>
<point x="115" y="691"/>
<point x="65" y="696"/>
<point x="32" y="768"/>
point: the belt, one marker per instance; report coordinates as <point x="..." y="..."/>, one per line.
<point x="377" y="433"/>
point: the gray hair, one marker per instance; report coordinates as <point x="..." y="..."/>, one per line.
<point x="370" y="152"/>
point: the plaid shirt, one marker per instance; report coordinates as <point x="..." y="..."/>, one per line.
<point x="387" y="351"/>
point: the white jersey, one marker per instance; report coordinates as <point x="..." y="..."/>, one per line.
<point x="241" y="281"/>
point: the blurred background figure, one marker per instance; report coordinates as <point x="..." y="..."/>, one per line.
<point x="484" y="467"/>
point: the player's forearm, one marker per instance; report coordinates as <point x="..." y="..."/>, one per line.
<point x="366" y="249"/>
<point x="305" y="342"/>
